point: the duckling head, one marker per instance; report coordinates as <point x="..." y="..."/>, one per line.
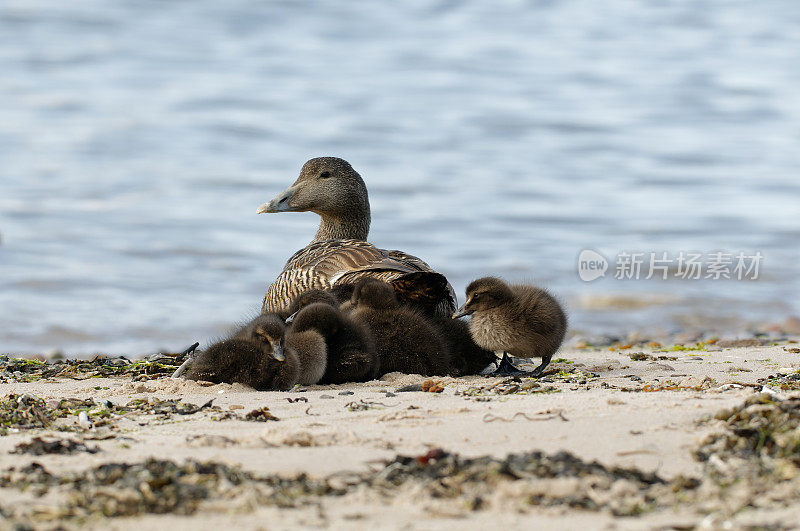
<point x="484" y="294"/>
<point x="269" y="332"/>
<point x="319" y="316"/>
<point x="374" y="294"/>
<point x="327" y="186"/>
<point x="312" y="296"/>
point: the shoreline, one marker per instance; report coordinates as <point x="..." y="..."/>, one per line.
<point x="639" y="407"/>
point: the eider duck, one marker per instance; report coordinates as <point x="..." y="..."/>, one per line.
<point x="339" y="254"/>
<point x="350" y="345"/>
<point x="524" y="321"/>
<point x="264" y="356"/>
<point x="405" y="340"/>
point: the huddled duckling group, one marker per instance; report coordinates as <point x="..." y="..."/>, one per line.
<point x="343" y="310"/>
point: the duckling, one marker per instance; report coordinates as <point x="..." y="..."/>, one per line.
<point x="351" y="347"/>
<point x="524" y="321"/>
<point x="308" y="345"/>
<point x="405" y="340"/>
<point x="262" y="355"/>
<point x="310" y="297"/>
<point x="244" y="361"/>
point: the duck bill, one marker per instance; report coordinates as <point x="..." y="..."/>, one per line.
<point x="280" y="203"/>
<point x="277" y="353"/>
<point x="291" y="317"/>
<point x="461" y="312"/>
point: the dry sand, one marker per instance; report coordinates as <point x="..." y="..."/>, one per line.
<point x="648" y="414"/>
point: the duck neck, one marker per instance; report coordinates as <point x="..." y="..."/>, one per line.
<point x="354" y="227"/>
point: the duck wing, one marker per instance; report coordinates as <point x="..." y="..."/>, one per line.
<point x="324" y="264"/>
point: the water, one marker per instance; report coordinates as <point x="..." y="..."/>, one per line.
<point x="138" y="138"/>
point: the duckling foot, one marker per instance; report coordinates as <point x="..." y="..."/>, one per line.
<point x="506" y="368"/>
<point x="535" y="373"/>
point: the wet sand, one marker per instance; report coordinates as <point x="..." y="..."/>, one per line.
<point x="642" y="407"/>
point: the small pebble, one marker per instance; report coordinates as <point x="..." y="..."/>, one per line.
<point x="236" y="406"/>
<point x="326" y="396"/>
<point x="347" y="393"/>
<point x="388" y="394"/>
<point x="83" y="420"/>
<point x="409" y="388"/>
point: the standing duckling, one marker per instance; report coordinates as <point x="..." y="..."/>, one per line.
<point x="261" y="354"/>
<point x="524" y="321"/>
<point x="350" y="345"/>
<point x="405" y="340"/>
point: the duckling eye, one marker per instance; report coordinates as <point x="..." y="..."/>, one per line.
<point x="324" y="175"/>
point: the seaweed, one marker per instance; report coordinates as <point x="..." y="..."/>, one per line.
<point x="18" y="412"/>
<point x="39" y="446"/>
<point x="149" y="367"/>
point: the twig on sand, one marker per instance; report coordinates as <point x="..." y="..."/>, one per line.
<point x="488" y="417"/>
<point x="188" y="352"/>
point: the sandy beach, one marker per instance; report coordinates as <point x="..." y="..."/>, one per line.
<point x="637" y="421"/>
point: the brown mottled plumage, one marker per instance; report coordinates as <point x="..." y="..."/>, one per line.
<point x="339" y="253"/>
<point x="405" y="340"/>
<point x="523" y="321"/>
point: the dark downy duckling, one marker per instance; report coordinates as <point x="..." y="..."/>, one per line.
<point x="350" y="345"/>
<point x="405" y="340"/>
<point x="309" y="297"/>
<point x="244" y="361"/>
<point x="523" y="321"/>
<point x="466" y="357"/>
<point x="262" y="355"/>
<point x="308" y="345"/>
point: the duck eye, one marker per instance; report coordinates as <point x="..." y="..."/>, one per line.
<point x="324" y="175"/>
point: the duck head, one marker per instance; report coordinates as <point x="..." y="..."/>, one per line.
<point x="330" y="187"/>
<point x="484" y="294"/>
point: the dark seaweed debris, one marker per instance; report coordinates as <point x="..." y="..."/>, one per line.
<point x="166" y="407"/>
<point x="784" y="382"/>
<point x="39" y="446"/>
<point x="161" y="486"/>
<point x="29" y="412"/>
<point x="152" y="366"/>
<point x="24" y="412"/>
<point x="762" y="429"/>
<point x="260" y="415"/>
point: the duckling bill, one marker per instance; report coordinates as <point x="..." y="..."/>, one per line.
<point x="520" y="320"/>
